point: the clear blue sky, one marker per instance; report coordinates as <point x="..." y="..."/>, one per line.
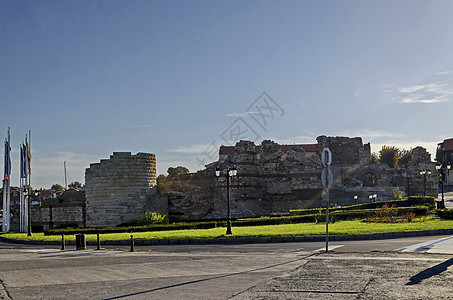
<point x="170" y="77"/>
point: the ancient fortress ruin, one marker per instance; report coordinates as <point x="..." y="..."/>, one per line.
<point x="278" y="178"/>
<point x="121" y="189"/>
<point x="272" y="178"/>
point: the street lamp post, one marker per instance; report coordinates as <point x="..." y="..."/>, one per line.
<point x="441" y="169"/>
<point x="230" y="173"/>
<point x="356" y="199"/>
<point x="408" y="180"/>
<point x="424" y="173"/>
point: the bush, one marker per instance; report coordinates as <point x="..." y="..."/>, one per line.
<point x="67" y="225"/>
<point x="446" y="214"/>
<point x="390" y="214"/>
<point x="430" y="202"/>
<point x="153" y="218"/>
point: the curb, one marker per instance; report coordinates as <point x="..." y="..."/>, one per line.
<point x="248" y="240"/>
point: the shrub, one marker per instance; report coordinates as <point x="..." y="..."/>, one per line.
<point x="410" y="216"/>
<point x="446" y="214"/>
<point x="398" y="194"/>
<point x="387" y="214"/>
<point x="153" y="218"/>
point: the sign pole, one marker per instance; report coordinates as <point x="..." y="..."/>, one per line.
<point x="327" y="179"/>
<point x="327" y="208"/>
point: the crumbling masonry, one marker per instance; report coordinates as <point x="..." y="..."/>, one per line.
<point x="274" y="182"/>
<point x="270" y="180"/>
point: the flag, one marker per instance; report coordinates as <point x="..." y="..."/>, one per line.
<point x="24" y="163"/>
<point x="23" y="167"/>
<point x="7" y="161"/>
<point x="28" y="157"/>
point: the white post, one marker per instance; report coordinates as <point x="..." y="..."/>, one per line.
<point x="8" y="190"/>
<point x="29" y="185"/>
<point x="4" y="206"/>
<point x="21" y="207"/>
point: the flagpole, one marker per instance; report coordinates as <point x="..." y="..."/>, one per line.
<point x="8" y="189"/>
<point x="29" y="183"/>
<point x="4" y="193"/>
<point x="21" y="204"/>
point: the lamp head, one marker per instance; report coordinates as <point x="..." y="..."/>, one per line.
<point x="233" y="171"/>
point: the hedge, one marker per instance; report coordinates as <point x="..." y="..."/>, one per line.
<point x="446" y="214"/>
<point x="339" y="215"/>
<point x="411" y="201"/>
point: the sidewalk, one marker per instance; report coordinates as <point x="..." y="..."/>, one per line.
<point x="362" y="276"/>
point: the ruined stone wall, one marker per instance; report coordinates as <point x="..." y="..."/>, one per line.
<point x="267" y="182"/>
<point x="274" y="182"/>
<point x="69" y="208"/>
<point x="121" y="189"/>
<point x="50" y="216"/>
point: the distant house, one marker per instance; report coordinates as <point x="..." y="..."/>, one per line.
<point x="444" y="155"/>
<point x="310" y="149"/>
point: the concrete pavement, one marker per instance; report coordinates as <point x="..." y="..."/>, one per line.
<point x="256" y="271"/>
<point x="362" y="276"/>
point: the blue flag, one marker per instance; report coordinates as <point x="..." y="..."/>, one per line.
<point x="7" y="161"/>
<point x="23" y="170"/>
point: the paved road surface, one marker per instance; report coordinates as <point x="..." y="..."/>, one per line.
<point x="355" y="270"/>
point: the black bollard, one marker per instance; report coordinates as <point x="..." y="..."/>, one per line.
<point x="99" y="243"/>
<point x="62" y="242"/>
<point x="132" y="243"/>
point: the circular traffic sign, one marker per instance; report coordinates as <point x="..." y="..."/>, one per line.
<point x="326" y="157"/>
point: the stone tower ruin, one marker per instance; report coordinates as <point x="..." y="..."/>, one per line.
<point x="121" y="189"/>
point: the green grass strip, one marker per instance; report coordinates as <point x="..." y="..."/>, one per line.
<point x="302" y="229"/>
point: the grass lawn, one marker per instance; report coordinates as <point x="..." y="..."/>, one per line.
<point x="301" y="229"/>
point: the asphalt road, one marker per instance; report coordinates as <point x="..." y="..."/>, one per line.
<point x="354" y="270"/>
<point x="421" y="268"/>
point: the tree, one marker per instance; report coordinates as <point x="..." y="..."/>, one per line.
<point x="56" y="187"/>
<point x="75" y="185"/>
<point x="374" y="158"/>
<point x="393" y="157"/>
<point x="405" y="158"/>
<point x="389" y="155"/>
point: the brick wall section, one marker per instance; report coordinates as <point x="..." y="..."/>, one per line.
<point x="121" y="189"/>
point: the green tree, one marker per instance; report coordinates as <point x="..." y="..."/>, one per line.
<point x="374" y="158"/>
<point x="404" y="158"/>
<point x="75" y="185"/>
<point x="56" y="187"/>
<point x="389" y="155"/>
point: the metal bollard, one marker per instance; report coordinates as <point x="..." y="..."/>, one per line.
<point x="99" y="243"/>
<point x="62" y="242"/>
<point x="132" y="243"/>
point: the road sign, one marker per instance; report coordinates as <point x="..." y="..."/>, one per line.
<point x="326" y="157"/>
<point x="323" y="177"/>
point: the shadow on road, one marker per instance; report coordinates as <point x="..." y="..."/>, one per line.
<point x="433" y="271"/>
